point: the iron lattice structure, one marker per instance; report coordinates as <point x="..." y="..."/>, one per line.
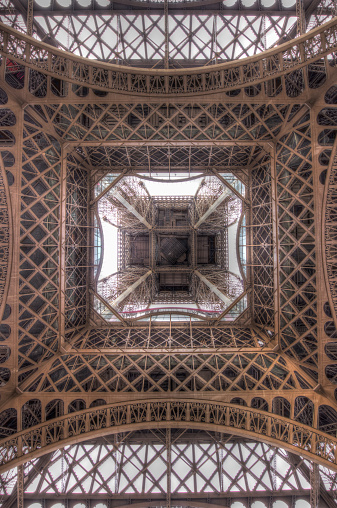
<point x="171" y="249"/>
<point x="167" y="411"/>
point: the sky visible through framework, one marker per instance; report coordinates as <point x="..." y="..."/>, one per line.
<point x="169" y="188"/>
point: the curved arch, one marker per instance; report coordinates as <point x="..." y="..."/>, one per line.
<point x="329" y="231"/>
<point x="238" y="256"/>
<point x="5" y="240"/>
<point x="220" y="417"/>
<point x="259" y="403"/>
<point x="247" y="73"/>
<point x="165" y="180"/>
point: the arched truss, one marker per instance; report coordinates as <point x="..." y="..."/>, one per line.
<point x="77" y="427"/>
<point x="37" y="75"/>
<point x="5" y="243"/>
<point x="311" y="49"/>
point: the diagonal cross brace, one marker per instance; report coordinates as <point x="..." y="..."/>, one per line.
<point x="227" y="301"/>
<point x="130" y="289"/>
<point x="131" y="208"/>
<point x="213" y="207"/>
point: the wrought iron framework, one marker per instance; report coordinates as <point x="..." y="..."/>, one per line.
<point x="162" y="391"/>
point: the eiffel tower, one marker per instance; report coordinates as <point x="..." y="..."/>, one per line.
<point x="168" y="260"/>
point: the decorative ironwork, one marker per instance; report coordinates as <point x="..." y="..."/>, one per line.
<point x="86" y="129"/>
<point x="229" y="418"/>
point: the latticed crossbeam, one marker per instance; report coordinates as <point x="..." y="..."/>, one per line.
<point x="279" y="431"/>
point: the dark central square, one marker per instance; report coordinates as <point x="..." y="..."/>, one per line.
<point x="173" y="250"/>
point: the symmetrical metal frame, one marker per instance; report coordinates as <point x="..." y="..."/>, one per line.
<point x="67" y="376"/>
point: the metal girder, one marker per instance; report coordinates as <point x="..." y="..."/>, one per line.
<point x="308" y="9"/>
<point x="47" y="38"/>
<point x="20" y="487"/>
<point x="305" y="470"/>
<point x="13" y="499"/>
<point x="225" y="299"/>
<point x="179" y="83"/>
<point x="183" y="413"/>
<point x="130" y="289"/>
<point x="30" y="17"/>
<point x="143" y="365"/>
<point x="147" y="449"/>
<point x="158" y="8"/>
<point x="213" y="207"/>
<point x="117" y="195"/>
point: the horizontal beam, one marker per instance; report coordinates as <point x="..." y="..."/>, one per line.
<point x="270" y="64"/>
<point x="158" y="9"/>
<point x="179" y="143"/>
<point x="219" y="497"/>
<point x="171" y="350"/>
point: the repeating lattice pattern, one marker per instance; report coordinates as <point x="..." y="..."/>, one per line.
<point x="330" y="232"/>
<point x="138" y="465"/>
<point x="182" y="157"/>
<point x="140" y="39"/>
<point x="143" y="372"/>
<point x="297" y="244"/>
<point x="76" y="245"/>
<point x="261" y="233"/>
<point x="316" y="48"/>
<point x="184" y="337"/>
<point x="39" y="266"/>
<point x="4" y="238"/>
<point x="160" y="122"/>
<point x="104" y="364"/>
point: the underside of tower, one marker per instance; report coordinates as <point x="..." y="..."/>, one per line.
<point x="168" y="260"/>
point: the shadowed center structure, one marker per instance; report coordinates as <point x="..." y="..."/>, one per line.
<point x="173" y="250"/>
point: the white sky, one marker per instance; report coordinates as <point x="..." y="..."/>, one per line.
<point x="169" y="188"/>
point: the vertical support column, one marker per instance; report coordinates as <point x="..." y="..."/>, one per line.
<point x="152" y="250"/>
<point x="321" y="287"/>
<point x="169" y="466"/>
<point x="249" y="246"/>
<point x="315" y="484"/>
<point x="194" y="257"/>
<point x="215" y="39"/>
<point x="300" y="14"/>
<point x="221" y="460"/>
<point x="116" y="463"/>
<point x="166" y="34"/>
<point x="273" y="472"/>
<point x="119" y="40"/>
<point x="264" y="35"/>
<point x="63" y="202"/>
<point x="276" y="267"/>
<point x="19" y="486"/>
<point x="63" y="472"/>
<point x="15" y="237"/>
<point x="30" y="8"/>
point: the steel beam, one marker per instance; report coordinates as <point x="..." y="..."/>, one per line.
<point x="20" y="486"/>
<point x="227" y="301"/>
<point x="130" y="290"/>
<point x="213" y="207"/>
<point x="20" y="9"/>
<point x="131" y="208"/>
